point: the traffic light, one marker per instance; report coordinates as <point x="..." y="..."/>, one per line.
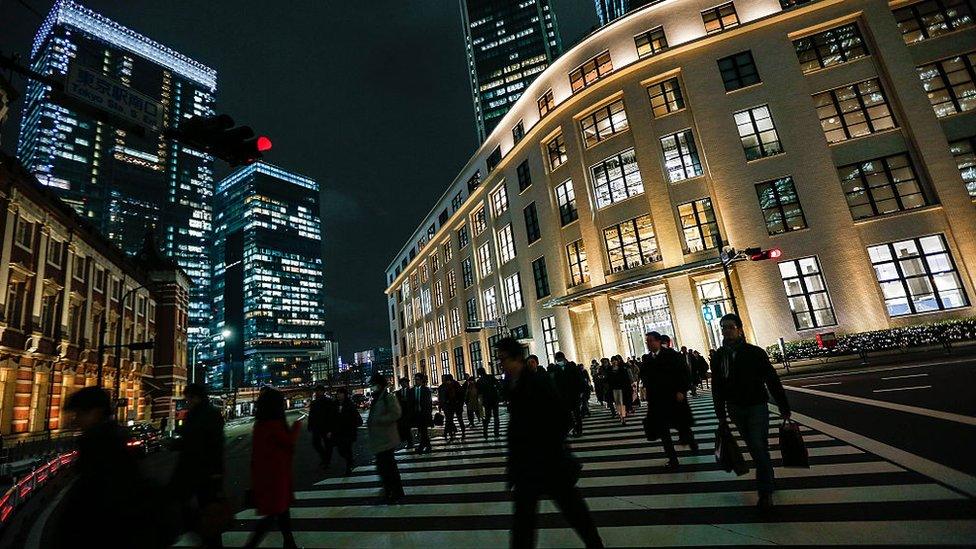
<point x="218" y="136"/>
<point x="759" y="254"/>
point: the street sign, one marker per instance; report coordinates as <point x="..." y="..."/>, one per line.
<point x="114" y="97"/>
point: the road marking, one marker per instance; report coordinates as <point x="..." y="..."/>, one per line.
<point x="936" y="414"/>
<point x="893" y="377"/>
<point x="963" y="482"/>
<point x="902" y="389"/>
<point x="822" y="384"/>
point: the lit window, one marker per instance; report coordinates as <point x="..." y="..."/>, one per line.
<point x="830" y="47"/>
<point x="499" y="201"/>
<point x="462" y="236"/>
<point x="881" y="186"/>
<point x="666" y="97"/>
<point x="467" y="273"/>
<point x="931" y="18"/>
<point x="591" y="71"/>
<point x="506" y="244"/>
<point x="455" y="322"/>
<point x="651" y="42"/>
<point x="616" y="178"/>
<point x="546" y="104"/>
<point x="917" y="276"/>
<point x="566" y="198"/>
<point x="964" y="151"/>
<point x="475" y="349"/>
<point x="806" y="291"/>
<point x="631" y="244"/>
<point x="518" y="132"/>
<point x="25" y="234"/>
<point x="490" y="303"/>
<point x="738" y="71"/>
<point x="479" y="221"/>
<point x="949" y="84"/>
<point x="435" y="262"/>
<point x="556" y="151"/>
<point x="699" y="225"/>
<point x="550" y="338"/>
<point x="681" y="156"/>
<point x="513" y="293"/>
<point x="451" y="284"/>
<point x="579" y="270"/>
<point x="471" y="311"/>
<point x="853" y="111"/>
<point x="448" y="253"/>
<point x="757" y="133"/>
<point x="780" y="206"/>
<point x="604" y="123"/>
<point x="494" y="158"/>
<point x="720" y="18"/>
<point x="485" y="266"/>
<point x="438" y="293"/>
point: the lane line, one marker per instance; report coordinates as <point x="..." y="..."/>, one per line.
<point x="893" y="377"/>
<point x="935" y="414"/>
<point x="822" y="384"/>
<point x="902" y="389"/>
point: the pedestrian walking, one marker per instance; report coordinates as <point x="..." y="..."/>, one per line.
<point x="384" y="439"/>
<point x="450" y="401"/>
<point x="620" y="386"/>
<point x="702" y="365"/>
<point x="665" y="380"/>
<point x="742" y="375"/>
<point x="321" y="419"/>
<point x="688" y="361"/>
<point x="472" y="401"/>
<point x="272" y="453"/>
<point x="539" y="463"/>
<point x="405" y="423"/>
<point x="421" y="411"/>
<point x="569" y="385"/>
<point x="198" y="478"/>
<point x="347" y="423"/>
<point x="490" y="392"/>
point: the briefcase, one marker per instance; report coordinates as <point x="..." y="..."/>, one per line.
<point x="727" y="452"/>
<point x="791" y="445"/>
<point x="439" y="419"/>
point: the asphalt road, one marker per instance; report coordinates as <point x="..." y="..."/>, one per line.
<point x="928" y="410"/>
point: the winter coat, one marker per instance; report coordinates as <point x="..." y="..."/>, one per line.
<point x="537" y="426"/>
<point x="271" y="465"/>
<point x="664" y="377"/>
<point x="382" y="422"/>
<point x="347" y="422"/>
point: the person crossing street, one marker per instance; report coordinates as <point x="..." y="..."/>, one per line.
<point x="665" y="381"/>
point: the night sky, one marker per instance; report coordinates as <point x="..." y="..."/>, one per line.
<point x="368" y="97"/>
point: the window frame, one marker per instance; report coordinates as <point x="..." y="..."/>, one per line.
<point x="780" y="206"/>
<point x="765" y="150"/>
<point x="926" y="31"/>
<point x="629" y="188"/>
<point x="861" y="116"/>
<point x="625" y="247"/>
<point x="590" y="71"/>
<point x="540" y="275"/>
<point x="806" y="293"/>
<point x="692" y="154"/>
<point x="652" y="36"/>
<point x="568" y="212"/>
<point x="676" y="103"/>
<point x="513" y="292"/>
<point x="506" y="244"/>
<point x="949" y="84"/>
<point x="533" y="233"/>
<point x="819" y="44"/>
<point x="737" y="71"/>
<point x="699" y="209"/>
<point x="715" y="14"/>
<point x="612" y="117"/>
<point x="499" y="200"/>
<point x="578" y="265"/>
<point x="546" y="103"/>
<point x="890" y="184"/>
<point x="927" y="274"/>
<point x="556" y="152"/>
<point x="524" y="173"/>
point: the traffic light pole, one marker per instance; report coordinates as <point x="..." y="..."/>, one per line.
<point x="726" y="260"/>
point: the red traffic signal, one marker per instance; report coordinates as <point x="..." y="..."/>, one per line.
<point x="759" y="254"/>
<point x="264" y="144"/>
<point x="218" y="136"/>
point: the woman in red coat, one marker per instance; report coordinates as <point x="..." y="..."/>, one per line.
<point x="271" y="459"/>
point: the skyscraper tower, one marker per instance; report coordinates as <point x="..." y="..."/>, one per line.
<point x="508" y="43"/>
<point x="608" y="10"/>
<point x="269" y="315"/>
<point x="120" y="182"/>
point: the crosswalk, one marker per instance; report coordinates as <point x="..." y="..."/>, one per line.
<point x="456" y="497"/>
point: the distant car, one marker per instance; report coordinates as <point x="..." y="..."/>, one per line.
<point x="144" y="439"/>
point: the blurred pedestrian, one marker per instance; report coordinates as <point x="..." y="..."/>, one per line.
<point x="539" y="463"/>
<point x="321" y="421"/>
<point x="569" y="384"/>
<point x="272" y="452"/>
<point x="384" y="439"/>
<point x="472" y="401"/>
<point x="405" y="423"/>
<point x="621" y="386"/>
<point x="421" y="411"/>
<point x="742" y="379"/>
<point x="346" y="429"/>
<point x="450" y="400"/>
<point x="490" y="392"/>
<point x="198" y="478"/>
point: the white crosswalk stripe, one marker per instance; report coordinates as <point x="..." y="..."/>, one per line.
<point x="457" y="497"/>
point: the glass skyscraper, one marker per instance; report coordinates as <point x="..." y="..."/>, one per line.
<point x="269" y="314"/>
<point x="120" y="182"/>
<point x="608" y="10"/>
<point x="508" y="43"/>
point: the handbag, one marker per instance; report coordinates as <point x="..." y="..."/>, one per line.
<point x="439" y="419"/>
<point x="791" y="445"/>
<point x="727" y="452"/>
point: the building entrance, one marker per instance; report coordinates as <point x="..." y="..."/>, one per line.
<point x="642" y="314"/>
<point x="714" y="304"/>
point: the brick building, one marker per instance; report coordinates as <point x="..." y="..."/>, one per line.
<point x="60" y="289"/>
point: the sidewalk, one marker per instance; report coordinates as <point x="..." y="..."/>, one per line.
<point x="920" y="355"/>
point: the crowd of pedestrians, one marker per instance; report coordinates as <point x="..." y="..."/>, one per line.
<point x="546" y="406"/>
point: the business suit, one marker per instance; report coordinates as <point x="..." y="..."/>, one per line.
<point x="421" y="405"/>
<point x="664" y="376"/>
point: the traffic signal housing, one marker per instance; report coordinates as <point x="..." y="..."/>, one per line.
<point x="759" y="254"/>
<point x="218" y="136"/>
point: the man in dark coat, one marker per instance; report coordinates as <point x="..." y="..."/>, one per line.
<point x="421" y="404"/>
<point x="569" y="384"/>
<point x="199" y="471"/>
<point x="321" y="423"/>
<point x="450" y="399"/>
<point x="405" y="422"/>
<point x="741" y="376"/>
<point x="539" y="463"/>
<point x="665" y="380"/>
<point x="490" y="392"/>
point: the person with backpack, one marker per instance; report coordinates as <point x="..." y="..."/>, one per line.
<point x="490" y="393"/>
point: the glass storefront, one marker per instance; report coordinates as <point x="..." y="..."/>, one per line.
<point x="642" y="314"/>
<point x="714" y="304"/>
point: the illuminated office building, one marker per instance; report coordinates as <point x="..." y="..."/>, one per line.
<point x="608" y="10"/>
<point x="269" y="315"/>
<point x="508" y="43"/>
<point x="118" y="181"/>
<point x="841" y="132"/>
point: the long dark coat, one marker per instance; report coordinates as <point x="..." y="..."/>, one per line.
<point x="664" y="377"/>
